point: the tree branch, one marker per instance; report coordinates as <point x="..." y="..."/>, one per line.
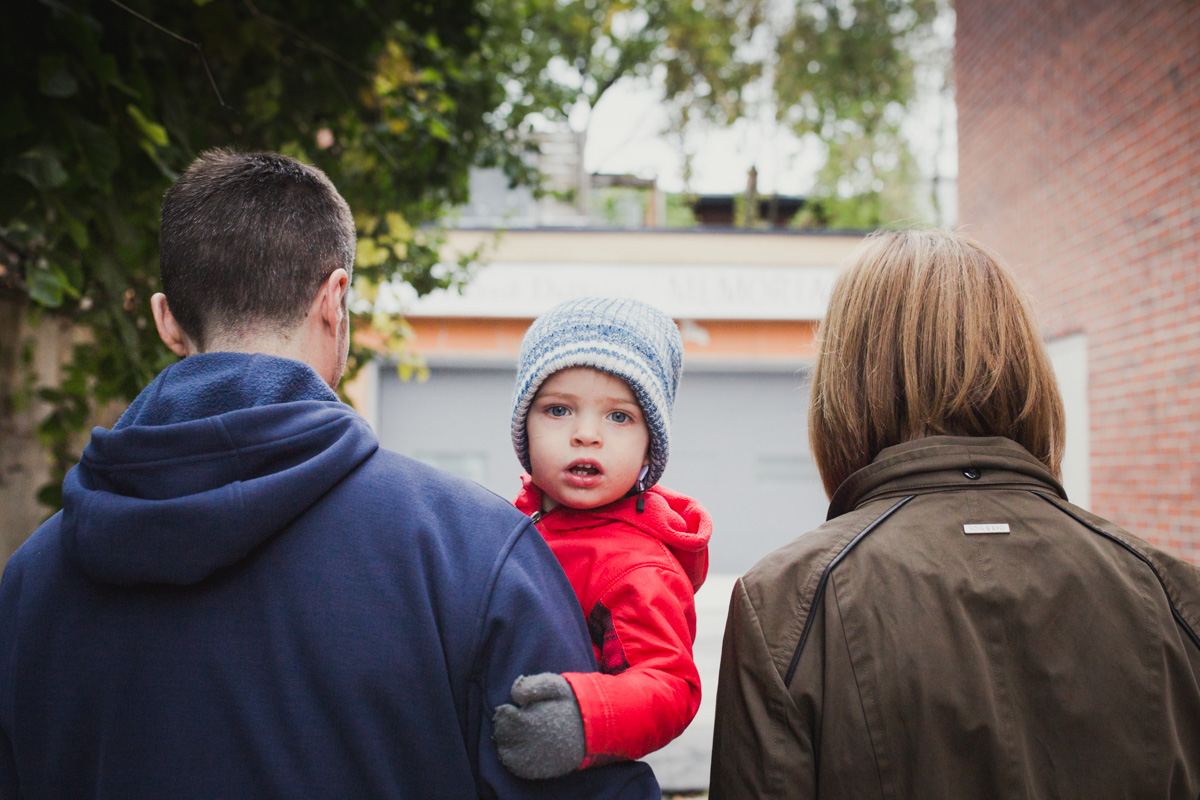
<point x="212" y="82"/>
<point x="306" y="40"/>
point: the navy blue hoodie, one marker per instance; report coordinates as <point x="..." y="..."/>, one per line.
<point x="244" y="596"/>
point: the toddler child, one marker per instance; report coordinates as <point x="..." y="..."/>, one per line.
<point x="596" y="381"/>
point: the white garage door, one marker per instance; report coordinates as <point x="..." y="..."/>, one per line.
<point x="738" y="444"/>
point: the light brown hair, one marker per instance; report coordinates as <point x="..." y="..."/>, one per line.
<point x="928" y="333"/>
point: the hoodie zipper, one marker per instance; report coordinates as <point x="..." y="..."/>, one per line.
<point x="538" y="516"/>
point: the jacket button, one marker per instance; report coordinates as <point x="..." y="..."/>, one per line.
<point x="971" y="473"/>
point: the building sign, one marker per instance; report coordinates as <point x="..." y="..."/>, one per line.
<point x="684" y="292"/>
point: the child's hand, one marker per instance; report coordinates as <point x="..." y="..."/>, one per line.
<point x="542" y="735"/>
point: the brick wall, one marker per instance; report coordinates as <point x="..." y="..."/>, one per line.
<point x="1079" y="161"/>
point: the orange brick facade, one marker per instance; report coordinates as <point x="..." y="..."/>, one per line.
<point x="1079" y="160"/>
<point x="724" y="339"/>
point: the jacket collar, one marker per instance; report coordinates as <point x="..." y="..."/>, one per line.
<point x="938" y="463"/>
<point x="674" y="519"/>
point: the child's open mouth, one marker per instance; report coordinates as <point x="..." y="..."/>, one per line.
<point x="584" y="470"/>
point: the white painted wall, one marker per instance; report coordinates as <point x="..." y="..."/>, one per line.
<point x="1069" y="357"/>
<point x="684" y="291"/>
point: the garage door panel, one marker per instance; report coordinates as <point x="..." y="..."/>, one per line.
<point x="738" y="444"/>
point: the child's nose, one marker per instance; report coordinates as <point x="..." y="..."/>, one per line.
<point x="586" y="433"/>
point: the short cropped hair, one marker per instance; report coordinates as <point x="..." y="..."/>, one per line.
<point x="928" y="333"/>
<point x="246" y="240"/>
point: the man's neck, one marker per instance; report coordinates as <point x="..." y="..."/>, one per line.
<point x="294" y="344"/>
<point x="282" y="346"/>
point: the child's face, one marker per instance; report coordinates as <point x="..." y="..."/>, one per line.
<point x="587" y="438"/>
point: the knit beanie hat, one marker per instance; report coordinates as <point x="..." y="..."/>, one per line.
<point x="627" y="338"/>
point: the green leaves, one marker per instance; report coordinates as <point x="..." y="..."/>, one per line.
<point x="42" y="167"/>
<point x="394" y="100"/>
<point x="263" y="101"/>
<point x="154" y="133"/>
<point x="54" y="78"/>
<point x="370" y="254"/>
<point x="845" y="75"/>
<point x="98" y="152"/>
<point x="45" y="285"/>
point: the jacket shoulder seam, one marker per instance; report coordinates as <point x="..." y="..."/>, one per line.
<point x="824" y="580"/>
<point x="1129" y="547"/>
<point x="522" y="528"/>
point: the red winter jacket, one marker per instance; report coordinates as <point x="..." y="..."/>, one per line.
<point x="635" y="575"/>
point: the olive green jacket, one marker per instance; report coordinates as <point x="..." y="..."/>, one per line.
<point x="958" y="630"/>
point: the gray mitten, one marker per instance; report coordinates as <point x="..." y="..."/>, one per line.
<point x="542" y="735"/>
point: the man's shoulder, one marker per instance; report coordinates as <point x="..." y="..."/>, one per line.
<point x="42" y="543"/>
<point x="388" y="465"/>
<point x="40" y="555"/>
<point x="389" y="482"/>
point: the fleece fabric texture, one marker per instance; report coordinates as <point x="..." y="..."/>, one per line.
<point x="244" y="596"/>
<point x="635" y="575"/>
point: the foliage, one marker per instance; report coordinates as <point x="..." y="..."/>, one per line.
<point x="837" y="71"/>
<point x="620" y="206"/>
<point x="679" y="211"/>
<point x="845" y="74"/>
<point x="107" y="102"/>
<point x="699" y="46"/>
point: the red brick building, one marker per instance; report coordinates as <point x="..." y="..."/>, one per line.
<point x="1079" y="161"/>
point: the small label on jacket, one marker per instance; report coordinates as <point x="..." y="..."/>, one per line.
<point x="986" y="527"/>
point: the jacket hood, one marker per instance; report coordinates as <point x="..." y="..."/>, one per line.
<point x="676" y="520"/>
<point x="941" y="462"/>
<point x="220" y="452"/>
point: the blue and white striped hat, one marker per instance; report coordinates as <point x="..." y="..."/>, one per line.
<point x="627" y="338"/>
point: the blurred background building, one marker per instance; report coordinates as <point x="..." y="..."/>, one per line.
<point x="747" y="303"/>
<point x="1079" y="160"/>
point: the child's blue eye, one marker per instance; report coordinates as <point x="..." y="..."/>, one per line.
<point x="619" y="417"/>
<point x="557" y="411"/>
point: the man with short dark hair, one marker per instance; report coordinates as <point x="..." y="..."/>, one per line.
<point x="244" y="596"/>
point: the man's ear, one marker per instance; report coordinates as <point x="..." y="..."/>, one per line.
<point x="168" y="328"/>
<point x="329" y="305"/>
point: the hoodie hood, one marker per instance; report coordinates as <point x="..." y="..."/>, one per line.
<point x="676" y="520"/>
<point x="218" y="454"/>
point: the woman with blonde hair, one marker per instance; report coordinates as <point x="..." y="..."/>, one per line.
<point x="957" y="629"/>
